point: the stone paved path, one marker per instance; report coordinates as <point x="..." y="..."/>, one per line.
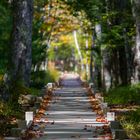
<point x="70" y="115"/>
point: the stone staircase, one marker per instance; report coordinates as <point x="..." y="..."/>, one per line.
<point x="70" y="116"/>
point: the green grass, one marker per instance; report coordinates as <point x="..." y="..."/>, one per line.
<point x="127" y="95"/>
<point x="7" y="112"/>
<point x="124" y="95"/>
<point x="131" y="123"/>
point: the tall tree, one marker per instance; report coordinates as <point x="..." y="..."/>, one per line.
<point x="106" y="68"/>
<point x="136" y="13"/>
<point x="21" y="58"/>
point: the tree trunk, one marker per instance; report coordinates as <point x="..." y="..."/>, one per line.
<point x="21" y="58"/>
<point x="123" y="66"/>
<point x="106" y="69"/>
<point x="115" y="67"/>
<point x="106" y="63"/>
<point x="128" y="54"/>
<point x="136" y="13"/>
<point x="87" y="65"/>
<point x="98" y="31"/>
<point x="78" y="49"/>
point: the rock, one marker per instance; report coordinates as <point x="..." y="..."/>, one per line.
<point x="33" y="109"/>
<point x="37" y="105"/>
<point x="25" y="107"/>
<point x="115" y="125"/>
<point x="39" y="99"/>
<point x="119" y="134"/>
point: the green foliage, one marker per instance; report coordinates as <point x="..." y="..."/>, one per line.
<point x="41" y="78"/>
<point x="38" y="79"/>
<point x="131" y="122"/>
<point x="124" y="95"/>
<point x="34" y="91"/>
<point x="134" y="116"/>
<point x="5" y="31"/>
<point x="39" y="53"/>
<point x="51" y="20"/>
<point x="127" y="95"/>
<point x="17" y="89"/>
<point x="52" y="75"/>
<point x="7" y="112"/>
<point x="63" y="52"/>
<point x="39" y="45"/>
<point x="90" y="7"/>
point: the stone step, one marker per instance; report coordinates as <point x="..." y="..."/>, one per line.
<point x="80" y="113"/>
<point x="69" y="125"/>
<point x="68" y="128"/>
<point x="87" y="138"/>
<point x="70" y="109"/>
<point x="69" y="135"/>
<point x="71" y="103"/>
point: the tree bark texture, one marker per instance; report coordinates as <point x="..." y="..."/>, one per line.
<point x="21" y="51"/>
<point x="136" y="13"/>
<point x="106" y="69"/>
<point x="123" y="66"/>
<point x="106" y="63"/>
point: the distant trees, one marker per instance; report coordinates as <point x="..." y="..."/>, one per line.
<point x="52" y="19"/>
<point x="117" y="38"/>
<point x="116" y="52"/>
<point x="115" y="57"/>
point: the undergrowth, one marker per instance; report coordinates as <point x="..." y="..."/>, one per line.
<point x="131" y="123"/>
<point x="41" y="78"/>
<point x="124" y="95"/>
<point x="127" y="95"/>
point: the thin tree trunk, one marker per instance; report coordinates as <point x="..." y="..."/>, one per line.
<point x="136" y="13"/>
<point x="21" y="58"/>
<point x="106" y="59"/>
<point x="106" y="69"/>
<point x="115" y="67"/>
<point x="92" y="54"/>
<point x="87" y="65"/>
<point x="78" y="49"/>
<point x="98" y="31"/>
<point x="123" y="66"/>
<point x="128" y="54"/>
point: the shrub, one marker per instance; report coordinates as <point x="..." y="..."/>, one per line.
<point x="127" y="95"/>
<point x="41" y="78"/>
<point x="124" y="95"/>
<point x="7" y="112"/>
<point x="131" y="123"/>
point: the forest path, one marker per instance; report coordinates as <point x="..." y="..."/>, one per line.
<point x="70" y="116"/>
